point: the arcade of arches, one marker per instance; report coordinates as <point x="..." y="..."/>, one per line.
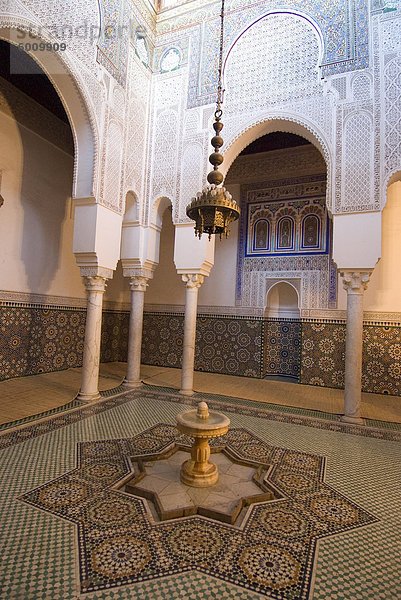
<point x="102" y="146"/>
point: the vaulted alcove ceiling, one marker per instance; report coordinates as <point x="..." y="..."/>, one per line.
<point x="17" y="67"/>
<point x="276" y="140"/>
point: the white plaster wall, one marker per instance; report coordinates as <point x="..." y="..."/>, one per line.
<point x="117" y="289"/>
<point x="166" y="286"/>
<point x="384" y="289"/>
<point x="35" y="221"/>
<point x="218" y="289"/>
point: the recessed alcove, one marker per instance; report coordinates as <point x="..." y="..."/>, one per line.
<point x="282" y="301"/>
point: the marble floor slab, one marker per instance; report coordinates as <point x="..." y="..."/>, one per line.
<point x="25" y="397"/>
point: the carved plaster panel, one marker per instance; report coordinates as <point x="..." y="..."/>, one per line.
<point x="75" y="22"/>
<point x="139" y="88"/>
<point x="191" y="174"/>
<point x="164" y="154"/>
<point x="392" y="110"/>
<point x="110" y="191"/>
<point x="358" y="163"/>
<point x="263" y="75"/>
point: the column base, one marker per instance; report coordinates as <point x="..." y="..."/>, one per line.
<point x="88" y="397"/>
<point x="186" y="392"/>
<point x="192" y="477"/>
<point x="353" y="420"/>
<point x="131" y="384"/>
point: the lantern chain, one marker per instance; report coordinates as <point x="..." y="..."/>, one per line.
<point x="220" y="91"/>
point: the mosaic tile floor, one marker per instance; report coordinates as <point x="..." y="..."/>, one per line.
<point x="338" y="539"/>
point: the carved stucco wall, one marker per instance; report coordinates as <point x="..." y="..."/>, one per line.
<point x="276" y="164"/>
<point x="272" y="71"/>
<point x="167" y="108"/>
<point x="386" y="37"/>
<point x="136" y="125"/>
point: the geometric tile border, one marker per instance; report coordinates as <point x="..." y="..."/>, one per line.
<point x="272" y="552"/>
<point x="47" y="413"/>
<point x="223" y="345"/>
<point x="323" y="354"/>
<point x="41" y="340"/>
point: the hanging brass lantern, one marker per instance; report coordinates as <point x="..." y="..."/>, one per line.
<point x="214" y="209"/>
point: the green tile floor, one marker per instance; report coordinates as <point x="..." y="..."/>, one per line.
<point x="39" y="550"/>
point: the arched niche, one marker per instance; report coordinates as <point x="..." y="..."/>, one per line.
<point x="159" y="207"/>
<point x="36" y="171"/>
<point x="131" y="214"/>
<point x="286" y="124"/>
<point x="64" y="76"/>
<point x="282" y="301"/>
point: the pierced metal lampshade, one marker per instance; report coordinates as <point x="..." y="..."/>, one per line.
<point x="214" y="209"/>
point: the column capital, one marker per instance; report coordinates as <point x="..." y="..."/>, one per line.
<point x="192" y="281"/>
<point x="96" y="271"/>
<point x="355" y="282"/>
<point x="132" y="272"/>
<point x="138" y="283"/>
<point x="95" y="284"/>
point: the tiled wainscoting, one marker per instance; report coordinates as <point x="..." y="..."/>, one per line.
<point x="323" y="356"/>
<point x="312" y="352"/>
<point x="42" y="339"/>
<point x="223" y="344"/>
<point x="36" y="339"/>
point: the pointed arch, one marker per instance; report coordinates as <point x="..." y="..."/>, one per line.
<point x="287" y="123"/>
<point x="158" y="209"/>
<point x="282" y="300"/>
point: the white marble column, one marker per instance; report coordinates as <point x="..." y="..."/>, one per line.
<point x="193" y="283"/>
<point x="355" y="283"/>
<point x="138" y="285"/>
<point x="95" y="287"/>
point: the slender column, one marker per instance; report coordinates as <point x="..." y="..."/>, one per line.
<point x="138" y="285"/>
<point x="95" y="287"/>
<point x="355" y="283"/>
<point x="193" y="283"/>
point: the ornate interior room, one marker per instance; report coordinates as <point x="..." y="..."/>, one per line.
<point x="200" y="302"/>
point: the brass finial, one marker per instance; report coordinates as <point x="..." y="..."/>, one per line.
<point x="216" y="158"/>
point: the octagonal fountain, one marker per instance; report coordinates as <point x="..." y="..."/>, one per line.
<point x="202" y="425"/>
